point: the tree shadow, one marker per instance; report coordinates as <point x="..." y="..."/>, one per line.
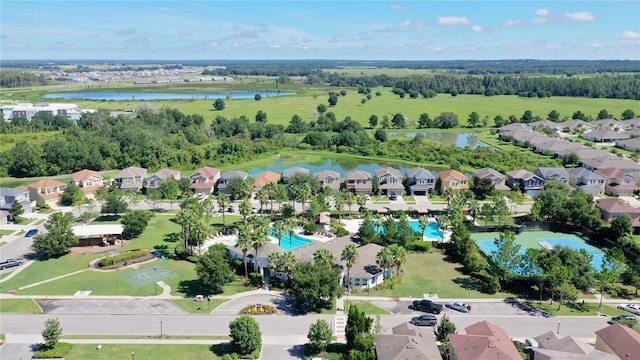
<point x="106" y="218"/>
<point x="471" y="283"/>
<point x="172" y="237"/>
<point x="297" y="351"/>
<point x="191" y="288"/>
<point x="221" y="349"/>
<point x="286" y="305"/>
<point x="161" y="251"/>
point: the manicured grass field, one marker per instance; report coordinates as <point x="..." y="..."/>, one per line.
<point x="6" y="232"/>
<point x="578" y="309"/>
<point x="366" y="307"/>
<point x="433" y="273"/>
<point x="142" y="352"/>
<point x="193" y="307"/>
<point x="156" y="234"/>
<point x="24" y="306"/>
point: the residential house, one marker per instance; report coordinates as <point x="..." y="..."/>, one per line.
<point x="131" y="178"/>
<point x="329" y="178"/>
<point x="576" y="125"/>
<point x="482" y="341"/>
<point x="610" y="124"/>
<point x="263" y="256"/>
<point x="204" y="180"/>
<point x="525" y="181"/>
<point x="553" y="347"/>
<point x="225" y="178"/>
<point x="617" y="182"/>
<point x="631" y="124"/>
<point x="366" y="273"/>
<point x="46" y="191"/>
<point x="605" y="136"/>
<point x="553" y="173"/>
<point x="629" y="144"/>
<point x="454" y="180"/>
<point x="420" y="181"/>
<point x="611" y="161"/>
<point x="496" y="178"/>
<point x="264" y="178"/>
<point x="540" y="145"/>
<point x="583" y="153"/>
<point x="389" y="181"/>
<point x="612" y="208"/>
<point x="513" y="127"/>
<point x="545" y="124"/>
<point x="619" y="340"/>
<point x="358" y="181"/>
<point x="287" y="173"/>
<point x="407" y="342"/>
<point x="9" y="195"/>
<point x="154" y="181"/>
<point x="587" y="181"/>
<point x="89" y="181"/>
<point x="557" y="146"/>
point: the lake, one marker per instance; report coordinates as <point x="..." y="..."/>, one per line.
<point x="162" y="95"/>
<point x="460" y="139"/>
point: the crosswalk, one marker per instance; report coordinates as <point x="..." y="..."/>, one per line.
<point x="340" y="323"/>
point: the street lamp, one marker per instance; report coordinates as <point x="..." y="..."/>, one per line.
<point x="133" y="355"/>
<point x="558" y="327"/>
<point x="160" y="329"/>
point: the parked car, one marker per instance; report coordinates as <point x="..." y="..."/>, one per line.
<point x="10" y="263"/>
<point x="632" y="308"/>
<point x="459" y="306"/>
<point x="619" y="318"/>
<point x="426" y="306"/>
<point x="230" y="209"/>
<point x="424" y="320"/>
<point x="31" y="233"/>
<point x="393" y="197"/>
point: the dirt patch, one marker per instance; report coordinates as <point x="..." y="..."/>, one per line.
<point x="85" y="250"/>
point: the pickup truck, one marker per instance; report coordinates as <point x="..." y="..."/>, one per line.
<point x="426" y="306"/>
<point x="10" y="263"/>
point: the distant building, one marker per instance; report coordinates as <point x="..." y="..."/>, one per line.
<point x="29" y="111"/>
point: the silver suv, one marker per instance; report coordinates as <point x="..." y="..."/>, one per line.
<point x="424" y="320"/>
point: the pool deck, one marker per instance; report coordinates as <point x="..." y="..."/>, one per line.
<point x="352" y="227"/>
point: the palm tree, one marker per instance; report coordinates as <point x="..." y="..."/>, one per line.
<point x="263" y="197"/>
<point x="423" y="222"/>
<point x="281" y="195"/>
<point x="198" y="234"/>
<point x="270" y="189"/>
<point x="361" y="199"/>
<point x="245" y="209"/>
<point x="244" y="244"/>
<point x="399" y="256"/>
<point x="279" y="229"/>
<point x="304" y="194"/>
<point x="350" y="199"/>
<point x="223" y="202"/>
<point x="384" y="259"/>
<point x="339" y="201"/>
<point x="448" y="194"/>
<point x="260" y="236"/>
<point x="289" y="263"/>
<point x="290" y="225"/>
<point x="323" y="257"/>
<point x="350" y="257"/>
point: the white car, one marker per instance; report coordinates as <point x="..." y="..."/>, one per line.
<point x="632" y="308"/>
<point x="460" y="306"/>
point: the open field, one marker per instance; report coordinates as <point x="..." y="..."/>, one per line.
<point x="7" y="141"/>
<point x="24" y="306"/>
<point x="366" y="307"/>
<point x="142" y="352"/>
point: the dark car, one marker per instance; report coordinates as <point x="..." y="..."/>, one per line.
<point x="623" y="318"/>
<point x="393" y="197"/>
<point x="230" y="209"/>
<point x="424" y="320"/>
<point x="426" y="306"/>
<point x="31" y="233"/>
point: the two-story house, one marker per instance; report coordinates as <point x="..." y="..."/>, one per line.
<point x="454" y="180"/>
<point x="586" y="180"/>
<point x="89" y="181"/>
<point x="225" y="178"/>
<point x="8" y="196"/>
<point x="617" y="182"/>
<point x="553" y="173"/>
<point x="525" y="181"/>
<point x="46" y="191"/>
<point x="204" y="179"/>
<point x="154" y="181"/>
<point x="287" y="173"/>
<point x="483" y="340"/>
<point x="420" y="181"/>
<point x="131" y="178"/>
<point x="389" y="181"/>
<point x="358" y="181"/>
<point x="265" y="178"/>
<point x="329" y="178"/>
<point x="496" y="178"/>
<point x="612" y="208"/>
<point x="619" y="340"/>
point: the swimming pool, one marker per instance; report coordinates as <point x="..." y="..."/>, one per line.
<point x="432" y="231"/>
<point x="296" y="241"/>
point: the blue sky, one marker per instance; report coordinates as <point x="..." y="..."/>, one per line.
<point x="377" y="30"/>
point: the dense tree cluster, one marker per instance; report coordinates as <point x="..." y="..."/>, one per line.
<point x="14" y="79"/>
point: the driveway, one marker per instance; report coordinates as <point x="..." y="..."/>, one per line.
<point x="111" y="307"/>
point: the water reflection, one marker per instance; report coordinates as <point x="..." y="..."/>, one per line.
<point x="460" y="139"/>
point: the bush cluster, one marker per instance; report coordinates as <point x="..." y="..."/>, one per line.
<point x="133" y="254"/>
<point x="59" y="351"/>
<point x="419" y="246"/>
<point x="257" y="310"/>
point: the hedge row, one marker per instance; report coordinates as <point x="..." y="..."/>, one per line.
<point x="59" y="351"/>
<point x="133" y="254"/>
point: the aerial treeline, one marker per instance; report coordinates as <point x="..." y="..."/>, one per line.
<point x="14" y="79"/>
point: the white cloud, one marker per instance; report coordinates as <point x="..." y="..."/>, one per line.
<point x="184" y="33"/>
<point x="478" y="29"/>
<point x="419" y="23"/>
<point x="513" y="23"/>
<point x="438" y="48"/>
<point x="452" y="20"/>
<point x="399" y="7"/>
<point x="630" y="35"/>
<point x="405" y="24"/>
<point x="581" y="16"/>
<point x="542" y="12"/>
<point x="539" y="20"/>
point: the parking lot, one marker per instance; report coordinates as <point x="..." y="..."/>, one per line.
<point x="483" y="308"/>
<point x="112" y="307"/>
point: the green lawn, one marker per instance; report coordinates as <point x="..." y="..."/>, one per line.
<point x="366" y="307"/>
<point x="142" y="352"/>
<point x="156" y="234"/>
<point x="24" y="306"/>
<point x="433" y="273"/>
<point x="577" y="309"/>
<point x="193" y="307"/>
<point x="6" y="232"/>
<point x="3" y="243"/>
<point x="47" y="269"/>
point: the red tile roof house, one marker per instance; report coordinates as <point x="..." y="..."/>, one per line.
<point x="89" y="182"/>
<point x="618" y="183"/>
<point x="483" y="341"/>
<point x="619" y="340"/>
<point x="131" y="178"/>
<point x="612" y="208"/>
<point x="453" y="179"/>
<point x="46" y="191"/>
<point x="204" y="180"/>
<point x="264" y="178"/>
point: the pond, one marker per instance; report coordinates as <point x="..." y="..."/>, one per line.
<point x="341" y="165"/>
<point x="162" y="95"/>
<point x="460" y="139"/>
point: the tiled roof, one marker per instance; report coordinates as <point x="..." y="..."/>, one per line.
<point x="615" y="206"/>
<point x="266" y="177"/>
<point x="85" y="174"/>
<point x="484" y="340"/>
<point x="391" y="171"/>
<point x="327" y="173"/>
<point x="46" y="183"/>
<point x="206" y="171"/>
<point x="357" y="174"/>
<point x="131" y="172"/>
<point x="419" y="173"/>
<point x="622" y="340"/>
<point x="234" y="174"/>
<point x="451" y="174"/>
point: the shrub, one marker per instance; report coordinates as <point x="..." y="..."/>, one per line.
<point x="255" y="279"/>
<point x="59" y="351"/>
<point x="311" y="228"/>
<point x="133" y="254"/>
<point x="258" y="310"/>
<point x="419" y="246"/>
